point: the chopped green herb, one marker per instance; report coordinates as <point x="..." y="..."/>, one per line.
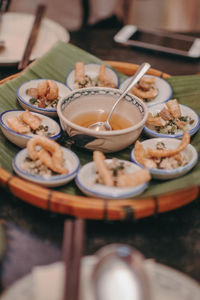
<point x="183" y="118"/>
<point x="33" y="101"/>
<point x="173" y="129"/>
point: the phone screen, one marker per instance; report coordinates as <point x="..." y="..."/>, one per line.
<point x="160" y="40"/>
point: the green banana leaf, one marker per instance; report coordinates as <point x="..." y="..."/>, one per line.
<point x="55" y="65"/>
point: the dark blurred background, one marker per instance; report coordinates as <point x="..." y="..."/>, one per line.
<point x="175" y="15"/>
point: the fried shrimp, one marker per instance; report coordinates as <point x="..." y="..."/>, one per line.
<point x="52" y="92"/>
<point x="147" y="82"/>
<point x="146" y="88"/>
<point x="170" y="152"/>
<point x="155" y="121"/>
<point x="42" y="89"/>
<point x="141" y="156"/>
<point x="170" y="120"/>
<point x="17" y="125"/>
<point x="30" y="119"/>
<point x="48" y="90"/>
<point x="116" y="173"/>
<point x="33" y="92"/>
<point x="174" y="108"/>
<point x="134" y="179"/>
<point x="52" y="150"/>
<point x="103" y="79"/>
<point x="46" y="158"/>
<point x="79" y="72"/>
<point x="146" y="95"/>
<point x="165" y="114"/>
<point x="46" y="94"/>
<point x="102" y="168"/>
<point x="45" y="143"/>
<point x="180" y="124"/>
<point x="85" y="80"/>
<point x="139" y="152"/>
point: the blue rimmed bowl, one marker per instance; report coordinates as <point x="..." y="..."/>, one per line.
<point x="185" y="111"/>
<point x="24" y="98"/>
<point x="92" y="70"/>
<point x="85" y="182"/>
<point x="170" y="143"/>
<point x="95" y="100"/>
<point x="71" y="160"/>
<point x="21" y="139"/>
<point x="164" y="90"/>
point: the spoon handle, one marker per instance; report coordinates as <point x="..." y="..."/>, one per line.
<point x="135" y="78"/>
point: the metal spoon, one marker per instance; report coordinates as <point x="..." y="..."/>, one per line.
<point x="102" y="126"/>
<point x="120" y="274"/>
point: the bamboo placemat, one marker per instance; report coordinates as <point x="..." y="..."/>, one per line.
<point x="161" y="195"/>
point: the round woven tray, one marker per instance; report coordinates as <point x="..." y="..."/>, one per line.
<point x="95" y="208"/>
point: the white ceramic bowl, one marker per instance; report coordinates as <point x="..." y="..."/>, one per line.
<point x="21" y="139"/>
<point x="164" y="90"/>
<point x="24" y="98"/>
<point x="85" y="181"/>
<point x="101" y="99"/>
<point x="72" y="163"/>
<point x="92" y="70"/>
<point x="185" y="111"/>
<point x="170" y="143"/>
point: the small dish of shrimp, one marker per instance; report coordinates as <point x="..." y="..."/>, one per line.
<point x="19" y="126"/>
<point x="171" y="119"/>
<point x="45" y="162"/>
<point x="41" y="95"/>
<point x="166" y="158"/>
<point x="90" y="75"/>
<point x="151" y="89"/>
<point x="112" y="178"/>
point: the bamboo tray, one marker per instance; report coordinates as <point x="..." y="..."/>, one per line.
<point x="95" y="208"/>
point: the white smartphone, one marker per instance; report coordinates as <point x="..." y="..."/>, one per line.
<point x="159" y="40"/>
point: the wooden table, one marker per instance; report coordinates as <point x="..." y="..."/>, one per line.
<point x="35" y="236"/>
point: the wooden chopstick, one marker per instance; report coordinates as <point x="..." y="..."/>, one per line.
<point x="4" y="5"/>
<point x="71" y="254"/>
<point x="32" y="37"/>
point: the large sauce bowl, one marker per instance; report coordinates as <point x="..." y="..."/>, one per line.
<point x="88" y="103"/>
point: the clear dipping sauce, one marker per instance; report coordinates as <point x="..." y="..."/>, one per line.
<point x="117" y="122"/>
